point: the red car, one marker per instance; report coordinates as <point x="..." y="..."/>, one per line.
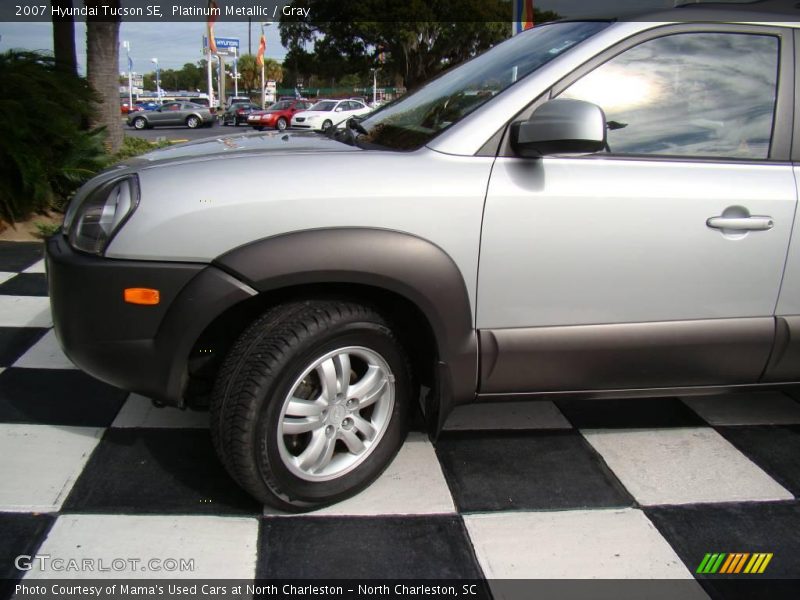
<point x="278" y="115"/>
<point x="126" y="108"/>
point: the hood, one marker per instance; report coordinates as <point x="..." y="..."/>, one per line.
<point x="247" y="144"/>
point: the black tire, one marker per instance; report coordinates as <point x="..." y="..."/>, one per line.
<point x="139" y="123"/>
<point x="192" y="122"/>
<point x="282" y="124"/>
<point x="261" y="371"/>
<point x="327" y="124"/>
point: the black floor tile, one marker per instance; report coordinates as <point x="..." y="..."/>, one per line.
<point x="695" y="530"/>
<point x="629" y="413"/>
<point x="157" y="471"/>
<point x="18" y="256"/>
<point x="774" y="448"/>
<point x="525" y="471"/>
<point x="15" y="341"/>
<point x="57" y="397"/>
<point x="433" y="547"/>
<point x="21" y="534"/>
<point x="25" y="284"/>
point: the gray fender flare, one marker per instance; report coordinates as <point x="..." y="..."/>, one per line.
<point x="404" y="264"/>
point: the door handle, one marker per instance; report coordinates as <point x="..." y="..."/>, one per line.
<point x="741" y="223"/>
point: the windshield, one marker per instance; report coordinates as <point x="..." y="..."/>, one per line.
<point x="414" y="120"/>
<point x="283" y="105"/>
<point x="324" y="106"/>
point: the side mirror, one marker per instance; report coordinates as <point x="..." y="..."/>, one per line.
<point x="560" y="127"/>
<point x="338" y="109"/>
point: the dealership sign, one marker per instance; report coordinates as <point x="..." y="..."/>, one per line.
<point x="225" y="46"/>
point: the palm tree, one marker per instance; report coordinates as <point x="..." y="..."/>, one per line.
<point x="250" y="72"/>
<point x="102" y="70"/>
<point x="273" y="71"/>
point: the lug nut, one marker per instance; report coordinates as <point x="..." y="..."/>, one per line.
<point x="351" y="404"/>
<point x="330" y="430"/>
<point x="347" y="423"/>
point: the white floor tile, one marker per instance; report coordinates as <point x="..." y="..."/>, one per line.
<point x="755" y="408"/>
<point x="139" y="411"/>
<point x="25" y="311"/>
<point x="221" y="547"/>
<point x="37" y="267"/>
<point x="45" y="354"/>
<point x="40" y="463"/>
<point x="680" y="466"/>
<point x="583" y="544"/>
<point x="412" y="484"/>
<point x="507" y="415"/>
<point x="5" y="276"/>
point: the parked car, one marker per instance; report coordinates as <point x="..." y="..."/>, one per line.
<point x="238" y="113"/>
<point x="150" y="105"/>
<point x="172" y="114"/>
<point x="278" y="115"/>
<point x="628" y="188"/>
<point x="327" y="113"/>
<point x="231" y="100"/>
<point x="125" y="107"/>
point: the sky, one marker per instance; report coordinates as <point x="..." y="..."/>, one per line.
<point x="175" y="44"/>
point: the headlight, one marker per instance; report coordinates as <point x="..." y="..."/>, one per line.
<point x="92" y="223"/>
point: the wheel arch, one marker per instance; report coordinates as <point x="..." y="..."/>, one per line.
<point x="412" y="279"/>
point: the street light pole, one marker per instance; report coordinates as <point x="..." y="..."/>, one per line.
<point x="235" y="72"/>
<point x="263" y="58"/>
<point x="127" y="46"/>
<point x="158" y="78"/>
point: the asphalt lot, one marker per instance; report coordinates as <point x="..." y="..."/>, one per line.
<point x="184" y="133"/>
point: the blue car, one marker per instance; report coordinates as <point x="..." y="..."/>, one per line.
<point x="148" y="105"/>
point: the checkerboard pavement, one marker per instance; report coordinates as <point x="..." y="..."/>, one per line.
<point x="601" y="489"/>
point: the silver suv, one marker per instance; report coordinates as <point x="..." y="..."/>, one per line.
<point x="589" y="209"/>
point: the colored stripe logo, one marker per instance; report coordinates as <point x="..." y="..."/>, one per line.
<point x="734" y="563"/>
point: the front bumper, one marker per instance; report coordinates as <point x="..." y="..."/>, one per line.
<point x="141" y="349"/>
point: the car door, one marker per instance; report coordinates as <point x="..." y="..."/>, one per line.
<point x="659" y="262"/>
<point x="165" y="114"/>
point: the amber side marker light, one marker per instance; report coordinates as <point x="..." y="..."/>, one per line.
<point x="144" y="296"/>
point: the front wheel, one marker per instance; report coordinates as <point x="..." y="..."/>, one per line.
<point x="192" y="122"/>
<point x="311" y="403"/>
<point x="327" y="125"/>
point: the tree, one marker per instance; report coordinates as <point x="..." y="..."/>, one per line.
<point x="64" y="38"/>
<point x="250" y="72"/>
<point x="43" y="160"/>
<point x="273" y="71"/>
<point x="418" y="39"/>
<point x="102" y="70"/>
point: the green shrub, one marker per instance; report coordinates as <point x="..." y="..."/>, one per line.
<point x="45" y="150"/>
<point x="45" y="230"/>
<point x="132" y="146"/>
